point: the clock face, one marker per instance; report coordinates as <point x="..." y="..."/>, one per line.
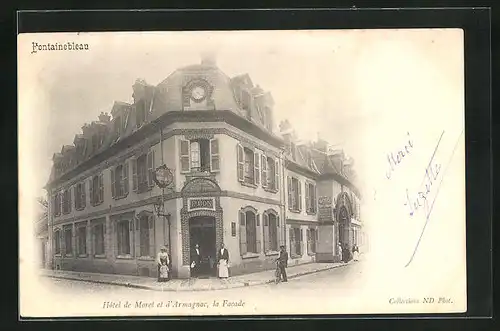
<point x="198" y="93"/>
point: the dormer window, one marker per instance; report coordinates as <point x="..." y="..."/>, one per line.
<point x="140" y="113"/>
<point x="118" y="126"/>
<point x="293" y="150"/>
<point x="246" y="102"/>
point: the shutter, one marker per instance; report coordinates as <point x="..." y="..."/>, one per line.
<point x="308" y="197"/>
<point x="264" y="171"/>
<point x="91" y="190"/>
<point x="258" y="237"/>
<point x="299" y="185"/>
<point x="309" y="243"/>
<point x="125" y="178"/>
<point x="256" y="163"/>
<point x="84" y="196"/>
<point x="151" y="221"/>
<point x="184" y="155"/>
<point x="267" y="243"/>
<point x="276" y="175"/>
<point x="70" y="203"/>
<point x="134" y="175"/>
<point x="313" y="201"/>
<point x="113" y="183"/>
<point x="240" y="162"/>
<point x="292" y="242"/>
<point x="214" y="155"/>
<point x="151" y="167"/>
<point x="76" y="197"/>
<point x="243" y="233"/>
<point x="301" y="243"/>
<point x="289" y="181"/>
<point x="101" y="188"/>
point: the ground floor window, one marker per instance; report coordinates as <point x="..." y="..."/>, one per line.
<point x="296" y="241"/>
<point x="68" y="241"/>
<point x="98" y="239"/>
<point x="312" y="236"/>
<point x="250" y="240"/>
<point x="57" y="242"/>
<point x="82" y="240"/>
<point x="144" y="236"/>
<point x="270" y="232"/>
<point x="123" y="236"/>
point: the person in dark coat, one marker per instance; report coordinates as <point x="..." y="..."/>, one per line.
<point x="345" y="253"/>
<point x="283" y="263"/>
<point x="195" y="261"/>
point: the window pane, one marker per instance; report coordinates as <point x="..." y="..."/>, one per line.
<point x="68" y="241"/>
<point x="99" y="239"/>
<point x="251" y="232"/>
<point x="123" y="238"/>
<point x="82" y="240"/>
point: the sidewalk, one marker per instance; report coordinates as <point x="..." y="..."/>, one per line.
<point x="193" y="284"/>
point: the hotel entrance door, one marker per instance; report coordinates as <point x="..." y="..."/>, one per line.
<point x="202" y="232"/>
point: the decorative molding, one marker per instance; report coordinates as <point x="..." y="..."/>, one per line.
<point x="148" y="136"/>
<point x="293" y="221"/>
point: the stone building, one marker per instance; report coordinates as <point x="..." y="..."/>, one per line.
<point x="234" y="181"/>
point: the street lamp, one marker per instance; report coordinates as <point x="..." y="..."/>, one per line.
<point x="163" y="177"/>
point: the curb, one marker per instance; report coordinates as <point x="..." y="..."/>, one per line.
<point x="153" y="288"/>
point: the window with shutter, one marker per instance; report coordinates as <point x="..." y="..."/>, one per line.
<point x="258" y="236"/>
<point x="70" y="203"/>
<point x="243" y="234"/>
<point x="276" y="174"/>
<point x="240" y="162"/>
<point x="84" y="195"/>
<point x="125" y="178"/>
<point x="308" y="202"/>
<point x="214" y="155"/>
<point x="151" y="167"/>
<point x="256" y="168"/>
<point x="265" y="228"/>
<point x="91" y="190"/>
<point x="264" y="171"/>
<point x="301" y="243"/>
<point x="184" y="151"/>
<point x="113" y="183"/>
<point x="299" y="185"/>
<point x="135" y="179"/>
<point x="290" y="192"/>
<point x="76" y="192"/>
<point x="101" y="188"/>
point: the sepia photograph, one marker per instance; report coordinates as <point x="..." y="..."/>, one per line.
<point x="241" y="173"/>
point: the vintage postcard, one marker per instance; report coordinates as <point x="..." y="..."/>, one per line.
<point x="242" y="173"/>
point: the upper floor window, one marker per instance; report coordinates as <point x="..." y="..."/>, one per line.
<point x="57" y="204"/>
<point x="270" y="176"/>
<point x="66" y="204"/>
<point x="294" y="194"/>
<point x="248" y="165"/>
<point x="311" y="198"/>
<point x="142" y="172"/>
<point x="199" y="155"/>
<point x="80" y="196"/>
<point x="96" y="190"/>
<point x="119" y="181"/>
<point x="140" y="113"/>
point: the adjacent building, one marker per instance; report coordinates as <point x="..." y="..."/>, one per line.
<point x="233" y="181"/>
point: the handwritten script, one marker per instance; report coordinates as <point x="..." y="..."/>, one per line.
<point x="429" y="183"/>
<point x="395" y="159"/>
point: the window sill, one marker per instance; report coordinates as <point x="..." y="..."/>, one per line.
<point x="96" y="204"/>
<point x="57" y="255"/>
<point x="272" y="253"/>
<point x="145" y="258"/>
<point x="68" y="255"/>
<point x="308" y="212"/>
<point x="248" y="184"/>
<point x="124" y="257"/>
<point x="83" y="255"/>
<point x="79" y="209"/>
<point x="270" y="190"/>
<point x="250" y="256"/>
<point x="311" y="254"/>
<point x="120" y="197"/>
<point x="100" y="256"/>
<point x="143" y="189"/>
<point x="295" y="256"/>
<point x="295" y="210"/>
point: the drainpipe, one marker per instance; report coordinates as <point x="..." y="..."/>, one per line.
<point x="165" y="217"/>
<point x="283" y="194"/>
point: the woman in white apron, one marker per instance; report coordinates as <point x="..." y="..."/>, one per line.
<point x="223" y="262"/>
<point x="163" y="262"/>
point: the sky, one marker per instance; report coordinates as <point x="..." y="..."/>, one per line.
<point x="330" y="83"/>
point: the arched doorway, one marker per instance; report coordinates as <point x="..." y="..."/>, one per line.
<point x="343" y="226"/>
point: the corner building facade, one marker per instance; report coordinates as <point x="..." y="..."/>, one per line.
<point x="230" y="181"/>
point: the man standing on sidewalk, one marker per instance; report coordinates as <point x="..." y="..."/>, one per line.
<point x="283" y="262"/>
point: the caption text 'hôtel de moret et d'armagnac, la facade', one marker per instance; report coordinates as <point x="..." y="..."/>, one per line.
<point x="195" y="160"/>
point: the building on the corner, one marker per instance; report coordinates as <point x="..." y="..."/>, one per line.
<point x="234" y="181"/>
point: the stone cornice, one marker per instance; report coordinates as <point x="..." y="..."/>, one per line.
<point x="148" y="135"/>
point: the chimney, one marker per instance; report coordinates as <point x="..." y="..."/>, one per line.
<point x="208" y="59"/>
<point x="104" y="117"/>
